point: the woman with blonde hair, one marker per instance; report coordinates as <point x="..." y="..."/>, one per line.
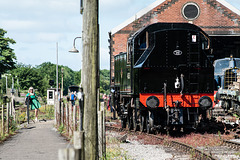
<point x="34" y="103"/>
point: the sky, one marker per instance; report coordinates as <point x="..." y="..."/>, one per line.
<point x="39" y="26"/>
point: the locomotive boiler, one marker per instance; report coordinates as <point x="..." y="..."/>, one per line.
<point x="165" y="79"/>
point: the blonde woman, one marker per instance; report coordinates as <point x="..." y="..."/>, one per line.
<point x="34" y="103"/>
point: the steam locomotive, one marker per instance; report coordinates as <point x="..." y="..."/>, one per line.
<point x="165" y="80"/>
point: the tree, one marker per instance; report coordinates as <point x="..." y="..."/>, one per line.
<point x="29" y="77"/>
<point x="7" y="56"/>
<point x="104" y="81"/>
<point x="77" y="77"/>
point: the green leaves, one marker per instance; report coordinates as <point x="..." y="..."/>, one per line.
<point x="7" y="56"/>
<point x="104" y="81"/>
<point x="38" y="77"/>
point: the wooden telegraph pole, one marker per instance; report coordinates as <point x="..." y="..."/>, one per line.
<point x="90" y="77"/>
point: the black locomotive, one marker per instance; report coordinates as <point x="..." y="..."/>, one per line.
<point x="165" y="79"/>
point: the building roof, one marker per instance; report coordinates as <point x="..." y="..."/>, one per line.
<point x="155" y="4"/>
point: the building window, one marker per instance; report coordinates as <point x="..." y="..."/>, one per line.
<point x="190" y="11"/>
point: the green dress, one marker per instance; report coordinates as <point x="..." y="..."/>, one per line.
<point x="34" y="103"/>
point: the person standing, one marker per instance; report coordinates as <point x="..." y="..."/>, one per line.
<point x="72" y="98"/>
<point x="34" y="103"/>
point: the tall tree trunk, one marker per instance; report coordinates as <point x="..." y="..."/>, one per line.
<point x="90" y="77"/>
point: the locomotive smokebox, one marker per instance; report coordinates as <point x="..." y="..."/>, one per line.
<point x="205" y="102"/>
<point x="152" y="102"/>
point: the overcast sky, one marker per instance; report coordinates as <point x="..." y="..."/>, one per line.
<point x="37" y="25"/>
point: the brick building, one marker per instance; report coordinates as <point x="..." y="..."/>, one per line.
<point x="216" y="17"/>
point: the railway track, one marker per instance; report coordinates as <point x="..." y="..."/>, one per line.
<point x="188" y="149"/>
<point x="231" y="144"/>
<point x="194" y="152"/>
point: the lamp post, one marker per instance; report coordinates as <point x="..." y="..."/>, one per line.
<point x="56" y="95"/>
<point x="62" y="84"/>
<point x="74" y="50"/>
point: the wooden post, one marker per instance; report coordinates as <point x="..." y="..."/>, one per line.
<point x="3" y="125"/>
<point x="13" y="109"/>
<point x="100" y="133"/>
<point x="78" y="142"/>
<point x="67" y="118"/>
<point x="82" y="144"/>
<point x="90" y="77"/>
<point x="69" y="154"/>
<point x="81" y="111"/>
<point x="8" y="106"/>
<point x="62" y="113"/>
<point x="74" y="118"/>
<point x="104" y="132"/>
<point x="70" y="120"/>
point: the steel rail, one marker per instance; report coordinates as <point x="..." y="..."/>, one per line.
<point x="189" y="149"/>
<point x="231" y="144"/>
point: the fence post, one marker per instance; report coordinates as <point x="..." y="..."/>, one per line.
<point x="101" y="131"/>
<point x="62" y="113"/>
<point x="3" y="127"/>
<point x="81" y="111"/>
<point x="69" y="154"/>
<point x="100" y="138"/>
<point x="8" y="106"/>
<point x="67" y="118"/>
<point x="13" y="109"/>
<point x="74" y="118"/>
<point x="70" y="120"/>
<point x="104" y="131"/>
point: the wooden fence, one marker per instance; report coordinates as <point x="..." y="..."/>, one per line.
<point x="69" y="120"/>
<point x="8" y="116"/>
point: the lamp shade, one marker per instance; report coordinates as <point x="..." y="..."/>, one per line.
<point x="74" y="50"/>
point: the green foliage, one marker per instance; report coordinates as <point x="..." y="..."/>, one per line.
<point x="13" y="125"/>
<point x="48" y="72"/>
<point x="61" y="129"/>
<point x="22" y="117"/>
<point x="46" y="112"/>
<point x="7" y="56"/>
<point x="29" y="76"/>
<point x="114" y="151"/>
<point x="38" y="77"/>
<point x="77" y="77"/>
<point x="104" y="81"/>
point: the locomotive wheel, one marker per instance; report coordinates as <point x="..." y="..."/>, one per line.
<point x="130" y="119"/>
<point x="135" y="120"/>
<point x="149" y="122"/>
<point x="142" y="123"/>
<point x="123" y="122"/>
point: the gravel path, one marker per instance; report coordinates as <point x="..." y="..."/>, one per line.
<point x="138" y="151"/>
<point x="38" y="141"/>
